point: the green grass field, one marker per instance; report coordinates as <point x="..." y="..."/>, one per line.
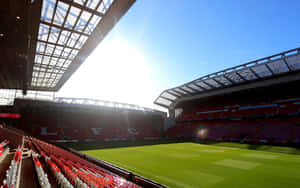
<point x="197" y="165"/>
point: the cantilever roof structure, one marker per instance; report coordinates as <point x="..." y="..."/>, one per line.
<point x="269" y="67"/>
<point x="42" y="42"/>
<point x="68" y="32"/>
<point x="8" y="96"/>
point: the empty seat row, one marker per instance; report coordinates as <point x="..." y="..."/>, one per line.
<point x="272" y="130"/>
<point x="75" y="170"/>
<point x="12" y="174"/>
<point x="42" y="176"/>
<point x="4" y="149"/>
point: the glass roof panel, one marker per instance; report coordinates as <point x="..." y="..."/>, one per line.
<point x="92" y="24"/>
<point x="180" y="91"/>
<point x="212" y="82"/>
<point x="169" y="96"/>
<point x="293" y="62"/>
<point x="43" y="32"/>
<point x="247" y="74"/>
<point x="195" y="87"/>
<point x="223" y="80"/>
<point x="188" y="89"/>
<point x="278" y="66"/>
<point x="60" y="13"/>
<point x="202" y="84"/>
<point x="234" y="77"/>
<point x="104" y="6"/>
<point x="48" y="10"/>
<point x="175" y="93"/>
<point x="82" y="23"/>
<point x="92" y="3"/>
<point x="72" y="17"/>
<point x="81" y="2"/>
<point x="262" y="70"/>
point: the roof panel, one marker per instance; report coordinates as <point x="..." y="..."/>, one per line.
<point x="203" y="85"/>
<point x="169" y="96"/>
<point x="223" y="80"/>
<point x="247" y="74"/>
<point x="293" y="62"/>
<point x="195" y="87"/>
<point x="175" y="93"/>
<point x="185" y="88"/>
<point x="262" y="70"/>
<point x="278" y="66"/>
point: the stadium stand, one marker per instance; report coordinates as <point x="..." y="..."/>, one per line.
<point x="57" y="167"/>
<point x="73" y="122"/>
<point x="271" y="122"/>
<point x="254" y="102"/>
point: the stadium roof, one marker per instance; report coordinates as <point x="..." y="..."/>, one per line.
<point x="8" y="96"/>
<point x="277" y="66"/>
<point x="56" y="36"/>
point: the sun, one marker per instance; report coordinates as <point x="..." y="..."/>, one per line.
<point x="115" y="71"/>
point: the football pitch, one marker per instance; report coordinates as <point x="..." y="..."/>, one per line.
<point x="197" y="165"/>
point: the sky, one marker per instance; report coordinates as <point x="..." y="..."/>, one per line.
<point x="160" y="44"/>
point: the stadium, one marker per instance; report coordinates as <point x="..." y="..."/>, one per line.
<point x="236" y="127"/>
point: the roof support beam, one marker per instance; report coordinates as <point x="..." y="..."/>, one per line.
<point x="173" y="94"/>
<point x="269" y="68"/>
<point x="57" y="44"/>
<point x="50" y="66"/>
<point x="72" y="3"/>
<point x="64" y="28"/>
<point x="184" y="90"/>
<point x="243" y="78"/>
<point x="204" y="89"/>
<point x="253" y="72"/>
<point x="213" y="87"/>
<point x="191" y="88"/>
<point x="229" y="79"/>
<point x="55" y="56"/>
<point x="286" y="63"/>
<point x="220" y="83"/>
